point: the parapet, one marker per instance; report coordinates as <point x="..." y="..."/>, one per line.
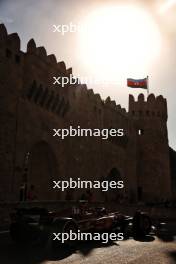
<point x="41" y="51"/>
<point x="69" y="71"/>
<point x="110" y="102"/>
<point x="52" y="59"/>
<point x="152" y="107"/>
<point x="62" y="66"/>
<point x="12" y="41"/>
<point x="112" y="105"/>
<point x="31" y="47"/>
<point x="3" y="32"/>
<point x="151" y="99"/>
<point x="42" y="54"/>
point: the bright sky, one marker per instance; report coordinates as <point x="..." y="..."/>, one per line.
<point x="115" y="40"/>
<point x="167" y="5"/>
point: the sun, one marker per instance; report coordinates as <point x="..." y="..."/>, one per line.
<point x="168" y="4"/>
<point x="118" y="42"/>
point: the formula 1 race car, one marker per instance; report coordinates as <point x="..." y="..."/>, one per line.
<point x="37" y="225"/>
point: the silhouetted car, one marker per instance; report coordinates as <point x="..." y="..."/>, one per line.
<point x="37" y="225"/>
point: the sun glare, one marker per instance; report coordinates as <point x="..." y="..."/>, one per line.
<point x="119" y="41"/>
<point x="168" y="4"/>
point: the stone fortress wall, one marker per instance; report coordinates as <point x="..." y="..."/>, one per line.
<point x="31" y="106"/>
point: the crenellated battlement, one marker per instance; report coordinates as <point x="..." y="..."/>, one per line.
<point x="36" y="54"/>
<point x="10" y="40"/>
<point x="3" y="32"/>
<point x="34" y="57"/>
<point x="152" y="107"/>
<point x="41" y="52"/>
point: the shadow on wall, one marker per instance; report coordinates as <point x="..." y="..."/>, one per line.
<point x="39" y="172"/>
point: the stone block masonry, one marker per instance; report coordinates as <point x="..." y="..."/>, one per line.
<point x="31" y="106"/>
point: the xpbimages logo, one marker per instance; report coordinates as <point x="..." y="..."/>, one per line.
<point x="83" y="184"/>
<point x="65" y="81"/>
<point x="81" y="236"/>
<point x="104" y="133"/>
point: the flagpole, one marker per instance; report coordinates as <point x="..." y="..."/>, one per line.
<point x="147" y="85"/>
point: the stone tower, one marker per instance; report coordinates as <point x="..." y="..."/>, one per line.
<point x="153" y="172"/>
